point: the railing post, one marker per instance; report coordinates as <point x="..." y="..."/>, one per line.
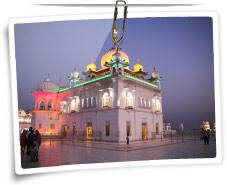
<point x="161" y="135"/>
<point x="182" y="137"/>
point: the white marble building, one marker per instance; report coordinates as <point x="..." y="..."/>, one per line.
<point x="110" y="104"/>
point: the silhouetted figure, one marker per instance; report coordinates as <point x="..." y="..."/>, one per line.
<point x="30" y="139"/>
<point x="127" y="140"/>
<point x="204" y="136"/>
<point x="38" y="139"/>
<point x="23" y="141"/>
<point x="208" y="136"/>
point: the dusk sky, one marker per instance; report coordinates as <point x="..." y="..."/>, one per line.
<point x="180" y="48"/>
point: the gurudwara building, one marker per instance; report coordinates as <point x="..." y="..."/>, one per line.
<point x="109" y="104"/>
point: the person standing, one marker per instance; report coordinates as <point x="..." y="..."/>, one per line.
<point x="208" y="136"/>
<point x="23" y="141"/>
<point x="204" y="136"/>
<point x="30" y="140"/>
<point x="38" y="139"/>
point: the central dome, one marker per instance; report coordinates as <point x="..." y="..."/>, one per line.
<point x="47" y="85"/>
<point x="106" y="58"/>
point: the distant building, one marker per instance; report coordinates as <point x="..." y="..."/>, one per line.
<point x="168" y="129"/>
<point x="24" y="119"/>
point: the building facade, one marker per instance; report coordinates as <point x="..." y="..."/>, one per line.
<point x="24" y="119"/>
<point x="111" y="103"/>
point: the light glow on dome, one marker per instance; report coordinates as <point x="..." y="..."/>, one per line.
<point x="91" y="67"/>
<point x="106" y="58"/>
<point x="138" y="67"/>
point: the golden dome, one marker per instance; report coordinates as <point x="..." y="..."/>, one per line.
<point x="106" y="58"/>
<point x="138" y="67"/>
<point x="91" y="67"/>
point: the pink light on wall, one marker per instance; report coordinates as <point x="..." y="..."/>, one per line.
<point x="47" y="100"/>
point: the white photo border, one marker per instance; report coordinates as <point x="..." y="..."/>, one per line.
<point x="20" y="171"/>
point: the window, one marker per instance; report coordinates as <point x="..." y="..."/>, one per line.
<point x="129" y="100"/>
<point x="49" y="106"/>
<point x="139" y="104"/>
<point x="149" y="103"/>
<point x="42" y="105"/>
<point x="157" y="128"/>
<point x="82" y="103"/>
<point x="92" y="103"/>
<point x="73" y="105"/>
<point x="52" y="126"/>
<point x="63" y="106"/>
<point x="156" y="105"/>
<point x="74" y="130"/>
<point x="107" y="128"/>
<point x="128" y="128"/>
<point x="106" y="100"/>
<point x="87" y="102"/>
<point x="40" y="126"/>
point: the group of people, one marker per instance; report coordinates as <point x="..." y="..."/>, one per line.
<point x="30" y="140"/>
<point x="205" y="135"/>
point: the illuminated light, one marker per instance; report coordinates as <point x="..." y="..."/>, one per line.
<point x="115" y="31"/>
<point x="118" y="102"/>
<point x="87" y="82"/>
<point x="106" y="100"/>
<point x="138" y="67"/>
<point x="91" y="67"/>
<point x="142" y="81"/>
<point x="129" y="100"/>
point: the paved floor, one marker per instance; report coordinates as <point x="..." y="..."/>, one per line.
<point x="54" y="153"/>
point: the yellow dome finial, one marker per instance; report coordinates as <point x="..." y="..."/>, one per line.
<point x="91" y="67"/>
<point x="138" y="66"/>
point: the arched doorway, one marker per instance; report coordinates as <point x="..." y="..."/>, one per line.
<point x="89" y="131"/>
<point x="144" y="131"/>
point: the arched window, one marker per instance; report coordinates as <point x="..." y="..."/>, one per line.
<point x="149" y="103"/>
<point x="106" y="100"/>
<point x="156" y="103"/>
<point x="91" y="102"/>
<point x="82" y="103"/>
<point x="73" y="105"/>
<point x="94" y="101"/>
<point x="63" y="107"/>
<point x="88" y="102"/>
<point x="49" y="106"/>
<point x="42" y="105"/>
<point x="129" y="100"/>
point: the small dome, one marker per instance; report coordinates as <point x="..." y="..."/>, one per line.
<point x="106" y="58"/>
<point x="91" y="67"/>
<point x="75" y="73"/>
<point x="47" y="85"/>
<point x="138" y="67"/>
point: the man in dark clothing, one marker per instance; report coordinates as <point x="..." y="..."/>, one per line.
<point x="23" y="142"/>
<point x="38" y="139"/>
<point x="208" y="136"/>
<point x="30" y="140"/>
